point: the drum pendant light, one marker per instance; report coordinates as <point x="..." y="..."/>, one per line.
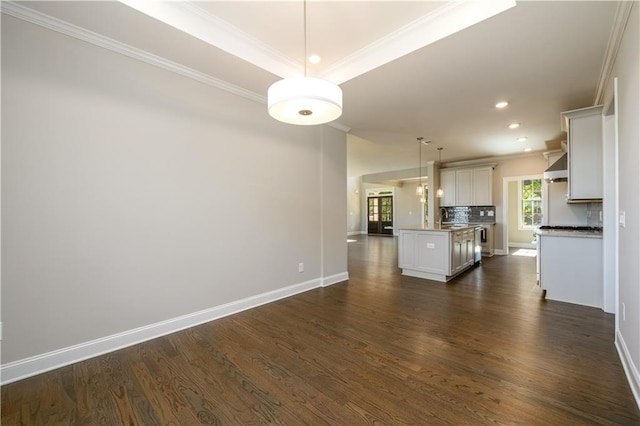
<point x="304" y="100"/>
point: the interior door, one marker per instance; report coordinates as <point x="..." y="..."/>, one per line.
<point x="380" y="215"/>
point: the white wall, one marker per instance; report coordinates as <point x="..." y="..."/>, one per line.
<point x="330" y="234"/>
<point x="407" y="206"/>
<point x="627" y="72"/>
<point x="609" y="214"/>
<point x="354" y="205"/>
<point x="132" y="196"/>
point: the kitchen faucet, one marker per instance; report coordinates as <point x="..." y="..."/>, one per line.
<point x="443" y="212"/>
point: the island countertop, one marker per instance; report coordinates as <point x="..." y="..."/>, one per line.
<point x="436" y="227"/>
<point x="594" y="232"/>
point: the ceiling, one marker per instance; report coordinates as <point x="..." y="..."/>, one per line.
<point x="407" y="69"/>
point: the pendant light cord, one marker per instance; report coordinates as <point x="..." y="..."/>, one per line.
<point x="420" y="160"/>
<point x="305" y="36"/>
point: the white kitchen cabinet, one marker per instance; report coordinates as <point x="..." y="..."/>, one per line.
<point x="570" y="269"/>
<point x="425" y="251"/>
<point x="448" y="185"/>
<point x="467" y="186"/>
<point x="464" y="187"/>
<point x="470" y="239"/>
<point x="462" y="250"/>
<point x="406" y="249"/>
<point x="435" y="254"/>
<point x="483" y="186"/>
<point x="584" y="148"/>
<point x="456" y="254"/>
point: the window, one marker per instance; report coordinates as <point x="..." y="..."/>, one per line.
<point x="530" y="203"/>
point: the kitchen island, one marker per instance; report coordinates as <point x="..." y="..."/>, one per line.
<point x="570" y="264"/>
<point x="437" y="253"/>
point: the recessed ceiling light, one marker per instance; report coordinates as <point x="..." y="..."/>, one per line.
<point x="502" y="104"/>
<point x="521" y="139"/>
<point x="527" y="150"/>
<point x="514" y="125"/>
<point x="314" y="59"/>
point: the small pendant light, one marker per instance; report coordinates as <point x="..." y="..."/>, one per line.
<point x="420" y="188"/>
<point x="440" y="192"/>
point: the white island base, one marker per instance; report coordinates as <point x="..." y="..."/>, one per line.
<point x="439" y="253"/>
<point x="430" y="275"/>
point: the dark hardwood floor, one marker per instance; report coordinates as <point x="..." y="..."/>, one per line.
<point x="378" y="349"/>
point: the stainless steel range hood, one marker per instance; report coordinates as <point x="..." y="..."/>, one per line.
<point x="557" y="172"/>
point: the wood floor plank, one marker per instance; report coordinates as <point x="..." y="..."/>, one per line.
<point x="381" y="349"/>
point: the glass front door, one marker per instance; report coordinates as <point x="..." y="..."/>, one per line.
<point x="380" y="215"/>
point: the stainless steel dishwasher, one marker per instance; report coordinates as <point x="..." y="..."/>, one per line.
<point x="477" y="244"/>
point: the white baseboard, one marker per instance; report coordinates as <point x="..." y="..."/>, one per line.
<point x="28" y="367"/>
<point x="522" y="245"/>
<point x="335" y="279"/>
<point x="629" y="368"/>
<point x="500" y="252"/>
<point x="352" y="233"/>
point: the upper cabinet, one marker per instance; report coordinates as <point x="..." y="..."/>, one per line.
<point x="464" y="187"/>
<point x="448" y="185"/>
<point x="584" y="148"/>
<point x="483" y="186"/>
<point x="467" y="186"/>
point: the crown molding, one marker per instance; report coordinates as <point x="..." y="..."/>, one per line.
<point x="446" y="20"/>
<point x="615" y="39"/>
<point x="493" y="161"/>
<point x="197" y="22"/>
<point x="79" y="33"/>
<point x="200" y="23"/>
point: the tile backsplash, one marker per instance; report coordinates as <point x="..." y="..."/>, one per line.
<point x="470" y="214"/>
<point x="594" y="214"/>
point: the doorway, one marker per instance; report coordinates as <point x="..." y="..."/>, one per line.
<point x="380" y="215"/>
<point x="523" y="209"/>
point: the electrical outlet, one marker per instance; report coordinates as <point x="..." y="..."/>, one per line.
<point x="622" y="220"/>
<point x="481" y="212"/>
<point x="600" y="215"/>
<point x="300" y="267"/>
<point x="431" y="245"/>
<point x="490" y="212"/>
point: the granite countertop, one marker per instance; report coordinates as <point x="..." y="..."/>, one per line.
<point x="439" y="228"/>
<point x="569" y="233"/>
<point x="469" y="223"/>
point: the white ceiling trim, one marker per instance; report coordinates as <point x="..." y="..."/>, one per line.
<point x="66" y="28"/>
<point x="615" y="39"/>
<point x="443" y="22"/>
<point x="446" y="20"/>
<point x="63" y="27"/>
<point x="197" y="22"/>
